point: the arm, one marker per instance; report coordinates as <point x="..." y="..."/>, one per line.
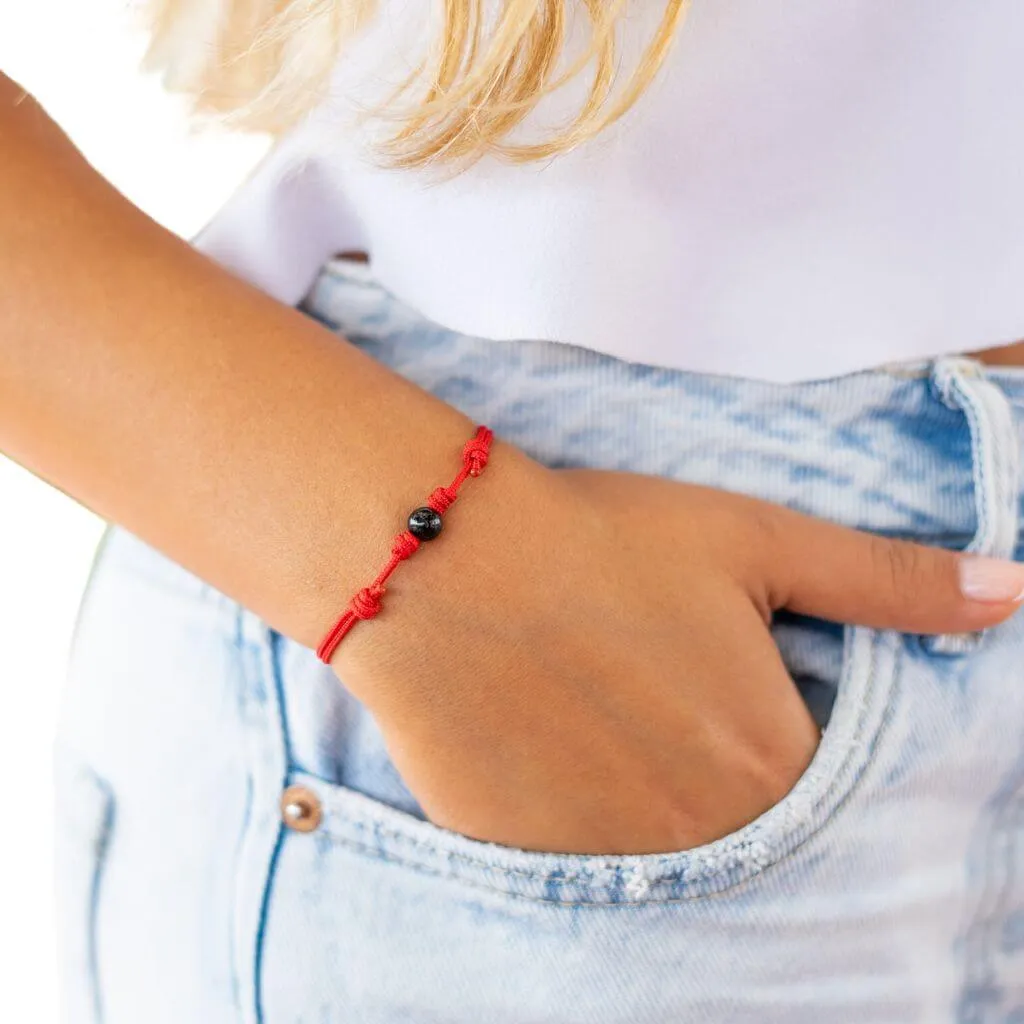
<point x="233" y="433"/>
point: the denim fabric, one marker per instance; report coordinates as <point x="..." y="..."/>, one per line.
<point x="888" y="886"/>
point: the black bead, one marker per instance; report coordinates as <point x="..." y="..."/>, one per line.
<point x="425" y="523"/>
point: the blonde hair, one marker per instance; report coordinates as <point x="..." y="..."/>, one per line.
<point x="264" y="64"/>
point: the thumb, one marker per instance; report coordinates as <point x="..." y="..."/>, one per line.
<point x="831" y="572"/>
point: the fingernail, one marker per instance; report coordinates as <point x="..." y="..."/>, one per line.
<point x="991" y="579"/>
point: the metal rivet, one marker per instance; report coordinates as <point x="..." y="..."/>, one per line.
<point x="301" y="809"/>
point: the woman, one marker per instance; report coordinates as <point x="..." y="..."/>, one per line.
<point x="597" y="752"/>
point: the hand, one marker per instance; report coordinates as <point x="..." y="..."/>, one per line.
<point x="584" y="664"/>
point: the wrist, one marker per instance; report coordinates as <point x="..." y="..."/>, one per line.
<point x="468" y="566"/>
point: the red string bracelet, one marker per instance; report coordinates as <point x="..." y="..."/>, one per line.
<point x="424" y="524"/>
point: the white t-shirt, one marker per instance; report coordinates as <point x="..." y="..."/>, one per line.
<point x="809" y="187"/>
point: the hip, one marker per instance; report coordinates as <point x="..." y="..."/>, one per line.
<point x="887" y="886"/>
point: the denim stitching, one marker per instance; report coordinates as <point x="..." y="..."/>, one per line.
<point x="256" y="655"/>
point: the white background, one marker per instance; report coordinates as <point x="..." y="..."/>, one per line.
<point x="79" y="58"/>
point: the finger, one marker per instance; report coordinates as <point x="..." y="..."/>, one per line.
<point x="817" y="568"/>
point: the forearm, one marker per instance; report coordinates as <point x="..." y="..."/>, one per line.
<point x="233" y="433"/>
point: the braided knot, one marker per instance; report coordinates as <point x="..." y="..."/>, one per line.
<point x="366" y="603"/>
<point x="441" y="499"/>
<point x="404" y="545"/>
<point x="476" y="451"/>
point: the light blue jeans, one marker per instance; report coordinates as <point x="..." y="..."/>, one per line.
<point x="888" y="886"/>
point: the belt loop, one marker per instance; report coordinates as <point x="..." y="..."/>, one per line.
<point x="995" y="461"/>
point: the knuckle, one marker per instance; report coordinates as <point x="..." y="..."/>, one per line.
<point x="900" y="561"/>
<point x="767" y="540"/>
<point x="738" y="532"/>
<point x="763" y="531"/>
<point x="766" y="523"/>
<point x="905" y="565"/>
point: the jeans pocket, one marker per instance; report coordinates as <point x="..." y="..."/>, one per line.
<point x="367" y="826"/>
<point x="84" y="818"/>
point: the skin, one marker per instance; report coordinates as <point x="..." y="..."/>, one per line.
<point x="276" y="462"/>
